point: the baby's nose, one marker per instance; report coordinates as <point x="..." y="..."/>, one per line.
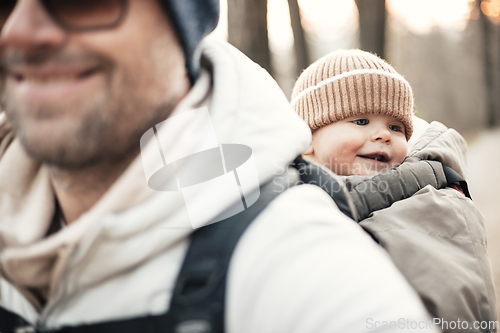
<point x="382" y="134"/>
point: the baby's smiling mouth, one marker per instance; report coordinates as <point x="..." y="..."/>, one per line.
<point x="377" y="157"/>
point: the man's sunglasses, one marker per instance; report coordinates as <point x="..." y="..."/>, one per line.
<point x="77" y="15"/>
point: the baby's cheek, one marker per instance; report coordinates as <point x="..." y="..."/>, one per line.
<point x="329" y="152"/>
<point x="350" y="149"/>
<point x="399" y="159"/>
<point x="394" y="165"/>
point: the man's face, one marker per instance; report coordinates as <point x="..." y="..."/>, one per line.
<point x="360" y="145"/>
<point x="81" y="98"/>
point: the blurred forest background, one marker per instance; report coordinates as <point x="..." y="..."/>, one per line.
<point x="449" y="51"/>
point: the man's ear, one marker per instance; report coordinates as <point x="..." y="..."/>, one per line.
<point x="309" y="150"/>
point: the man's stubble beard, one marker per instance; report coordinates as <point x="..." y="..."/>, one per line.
<point x="100" y="137"/>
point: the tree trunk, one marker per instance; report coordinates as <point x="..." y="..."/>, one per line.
<point x="299" y="38"/>
<point x="490" y="66"/>
<point x="372" y="18"/>
<point x="247" y="29"/>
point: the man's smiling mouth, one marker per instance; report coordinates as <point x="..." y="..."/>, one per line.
<point x="41" y="77"/>
<point x="53" y="84"/>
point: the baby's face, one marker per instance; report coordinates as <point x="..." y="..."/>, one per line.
<point x="360" y="145"/>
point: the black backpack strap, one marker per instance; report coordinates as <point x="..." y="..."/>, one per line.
<point x="198" y="301"/>
<point x="315" y="175"/>
<point x="147" y="324"/>
<point x="11" y="322"/>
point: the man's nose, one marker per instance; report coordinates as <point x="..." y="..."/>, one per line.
<point x="29" y="27"/>
<point x="382" y="134"/>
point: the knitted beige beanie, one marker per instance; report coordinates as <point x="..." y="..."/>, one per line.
<point x="347" y="83"/>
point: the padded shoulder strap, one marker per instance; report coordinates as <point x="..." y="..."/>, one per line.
<point x="10" y="322"/>
<point x="199" y="297"/>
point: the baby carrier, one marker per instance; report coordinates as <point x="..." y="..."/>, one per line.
<point x="198" y="300"/>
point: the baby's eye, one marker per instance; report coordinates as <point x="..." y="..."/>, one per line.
<point x="395" y="128"/>
<point x="360" y="122"/>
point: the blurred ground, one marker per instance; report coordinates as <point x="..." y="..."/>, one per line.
<point x="484" y="184"/>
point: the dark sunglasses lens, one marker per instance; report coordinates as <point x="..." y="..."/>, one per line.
<point x="86" y="14"/>
<point x="6" y="8"/>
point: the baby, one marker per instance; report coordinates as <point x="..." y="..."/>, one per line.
<point x="359" y="110"/>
